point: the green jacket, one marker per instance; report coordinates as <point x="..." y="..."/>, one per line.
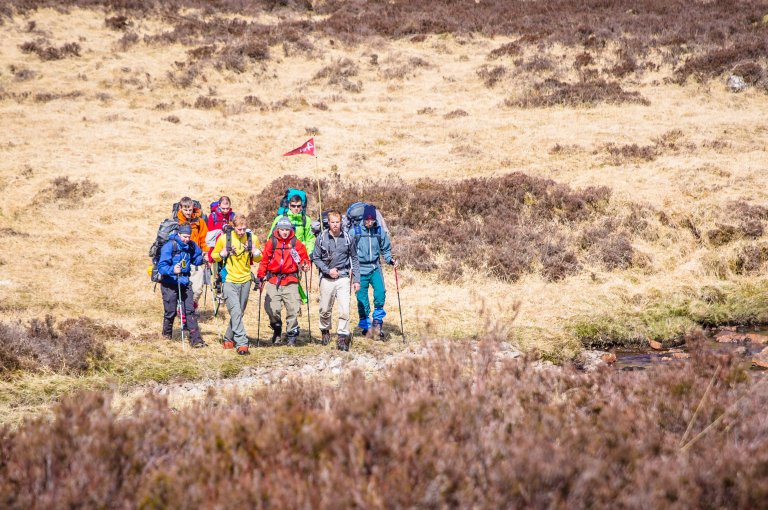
<point x="303" y="232"/>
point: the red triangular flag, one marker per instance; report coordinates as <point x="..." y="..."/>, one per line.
<point x="308" y="148"/>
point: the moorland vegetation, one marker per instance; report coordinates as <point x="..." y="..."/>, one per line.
<point x="578" y="170"/>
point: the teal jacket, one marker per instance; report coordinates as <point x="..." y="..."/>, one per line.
<point x="302" y="231"/>
<point x="371" y="246"/>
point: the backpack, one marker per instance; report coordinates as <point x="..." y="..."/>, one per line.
<point x="316" y="228"/>
<point x="196" y="204"/>
<point x="248" y="244"/>
<point x="354" y="218"/>
<point x="324" y="239"/>
<point x="167" y="227"/>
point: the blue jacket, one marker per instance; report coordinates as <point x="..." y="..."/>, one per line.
<point x="371" y="245"/>
<point x="187" y="254"/>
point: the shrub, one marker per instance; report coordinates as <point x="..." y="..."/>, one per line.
<point x="71" y="348"/>
<point x="208" y="103"/>
<point x="454" y="429"/>
<point x="62" y="189"/>
<point x="510" y="49"/>
<point x="455" y="114"/>
<point x="49" y="52"/>
<point x="491" y="76"/>
<point x="553" y="92"/>
<point x="119" y="22"/>
<point x="524" y="224"/>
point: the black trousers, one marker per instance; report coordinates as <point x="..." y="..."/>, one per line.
<point x="170" y="306"/>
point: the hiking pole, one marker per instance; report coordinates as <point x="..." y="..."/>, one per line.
<point x="182" y="319"/>
<point x="309" y="321"/>
<point x="399" y="308"/>
<point x="258" y="322"/>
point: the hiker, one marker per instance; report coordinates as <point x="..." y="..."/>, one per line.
<point x="190" y="215"/>
<point x="221" y="214"/>
<point x="335" y="256"/>
<point x="237" y="250"/>
<point x="295" y="212"/>
<point x="177" y="257"/>
<point x="372" y="243"/>
<point x="283" y="257"/>
<point x="220" y="220"/>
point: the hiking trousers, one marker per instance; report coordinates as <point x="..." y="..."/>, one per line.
<point x="374" y="279"/>
<point x="197" y="279"/>
<point x="170" y="294"/>
<point x="334" y="290"/>
<point x="236" y="298"/>
<point x="276" y="297"/>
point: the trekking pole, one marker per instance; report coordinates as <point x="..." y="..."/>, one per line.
<point x="258" y="322"/>
<point x="309" y="321"/>
<point x="182" y="318"/>
<point x="399" y="308"/>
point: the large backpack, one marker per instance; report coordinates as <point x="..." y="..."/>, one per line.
<point x="196" y="204"/>
<point x="167" y="227"/>
<point x="354" y="217"/>
<point x="274" y="239"/>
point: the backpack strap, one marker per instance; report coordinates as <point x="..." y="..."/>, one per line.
<point x="270" y="274"/>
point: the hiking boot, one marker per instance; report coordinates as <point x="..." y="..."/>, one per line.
<point x="293" y="335"/>
<point x="376" y="331"/>
<point x="326" y="336"/>
<point x="342" y="342"/>
<point x="277" y="330"/>
<point x="199" y="345"/>
<point x="228" y="344"/>
<point x="243" y="350"/>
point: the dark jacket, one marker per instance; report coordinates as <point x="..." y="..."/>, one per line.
<point x="336" y="252"/>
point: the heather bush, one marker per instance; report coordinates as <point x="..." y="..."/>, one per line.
<point x="525" y="224"/>
<point x="451" y="430"/>
<point x="72" y="347"/>
<point x="39" y="48"/>
<point x="62" y="189"/>
<point x="552" y="92"/>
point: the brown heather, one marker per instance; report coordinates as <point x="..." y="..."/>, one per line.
<point x="524" y="224"/>
<point x="456" y="430"/>
<point x="72" y="347"/>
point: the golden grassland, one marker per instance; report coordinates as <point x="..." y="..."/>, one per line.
<point x="87" y="255"/>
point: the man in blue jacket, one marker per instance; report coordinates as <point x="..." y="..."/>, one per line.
<point x="177" y="256"/>
<point x="372" y="244"/>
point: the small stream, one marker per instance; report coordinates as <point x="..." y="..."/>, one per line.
<point x="745" y="342"/>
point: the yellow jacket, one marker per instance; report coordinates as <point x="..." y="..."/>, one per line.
<point x="239" y="262"/>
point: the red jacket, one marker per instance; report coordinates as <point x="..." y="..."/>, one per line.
<point x="277" y="264"/>
<point x="216" y="220"/>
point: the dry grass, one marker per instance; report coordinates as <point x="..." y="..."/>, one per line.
<point x="136" y="123"/>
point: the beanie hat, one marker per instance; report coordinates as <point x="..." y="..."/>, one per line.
<point x="284" y="222"/>
<point x="185" y="229"/>
<point x="369" y="212"/>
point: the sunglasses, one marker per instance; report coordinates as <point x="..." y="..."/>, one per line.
<point x="295" y="206"/>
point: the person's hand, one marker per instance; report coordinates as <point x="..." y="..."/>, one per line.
<point x="177" y="269"/>
<point x="304" y="266"/>
<point x="256" y="252"/>
<point x="223" y="252"/>
<point x="333" y="273"/>
<point x="356" y="286"/>
<point x="394" y="262"/>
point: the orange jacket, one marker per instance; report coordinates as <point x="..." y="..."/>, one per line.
<point x="199" y="228"/>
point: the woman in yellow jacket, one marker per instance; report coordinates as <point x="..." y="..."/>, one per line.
<point x="237" y="249"/>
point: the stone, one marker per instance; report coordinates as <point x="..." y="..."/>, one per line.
<point x="680" y="355"/>
<point x="761" y="358"/>
<point x="736" y="83"/>
<point x="609" y="358"/>
<point x="757" y="338"/>
<point x="656" y="346"/>
<point x="730" y="337"/>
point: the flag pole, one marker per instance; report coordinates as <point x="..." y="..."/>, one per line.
<point x="319" y="197"/>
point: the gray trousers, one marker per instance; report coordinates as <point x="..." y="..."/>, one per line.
<point x="337" y="290"/>
<point x="236" y="298"/>
<point x="287" y="295"/>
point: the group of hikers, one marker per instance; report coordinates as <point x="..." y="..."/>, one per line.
<point x="192" y="251"/>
